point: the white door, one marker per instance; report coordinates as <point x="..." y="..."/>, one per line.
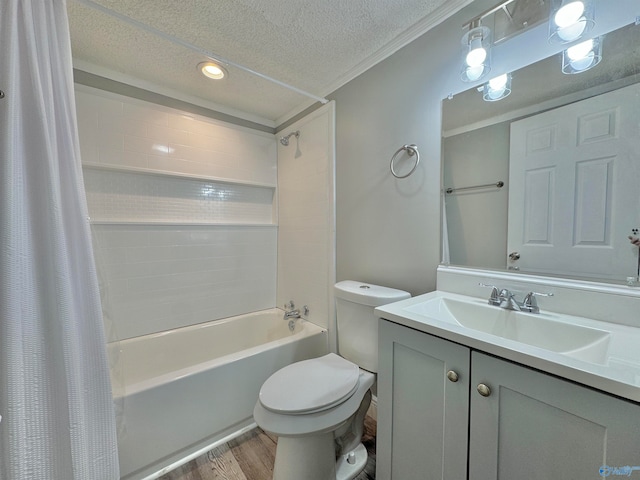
<point x="574" y="192"/>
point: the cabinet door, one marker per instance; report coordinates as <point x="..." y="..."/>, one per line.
<point x="422" y="415"/>
<point x="538" y="427"/>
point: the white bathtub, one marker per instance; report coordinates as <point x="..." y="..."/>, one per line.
<point x="182" y="390"/>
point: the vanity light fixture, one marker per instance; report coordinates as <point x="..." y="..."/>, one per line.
<point x="582" y="56"/>
<point x="497" y="88"/>
<point x="476" y="52"/>
<point x="570" y="20"/>
<point x="212" y="70"/>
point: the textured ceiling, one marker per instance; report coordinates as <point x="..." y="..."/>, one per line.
<point x="314" y="45"/>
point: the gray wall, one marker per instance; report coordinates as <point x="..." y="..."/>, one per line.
<point x="388" y="230"/>
<point x="477" y="218"/>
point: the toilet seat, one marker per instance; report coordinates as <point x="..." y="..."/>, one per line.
<point x="310" y="386"/>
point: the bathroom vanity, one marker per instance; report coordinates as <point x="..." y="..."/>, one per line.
<point x="472" y="384"/>
<point x="469" y="390"/>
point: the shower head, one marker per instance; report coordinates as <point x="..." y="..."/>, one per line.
<point x="285" y="140"/>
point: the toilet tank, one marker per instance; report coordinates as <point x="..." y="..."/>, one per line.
<point x="357" y="324"/>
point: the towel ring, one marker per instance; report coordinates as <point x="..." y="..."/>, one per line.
<point x="411" y="151"/>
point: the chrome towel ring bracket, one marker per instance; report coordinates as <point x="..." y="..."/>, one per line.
<point x="411" y="151"/>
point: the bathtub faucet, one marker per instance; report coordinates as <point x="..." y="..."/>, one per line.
<point x="290" y="313"/>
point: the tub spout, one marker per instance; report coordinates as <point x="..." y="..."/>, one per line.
<point x="292" y="314"/>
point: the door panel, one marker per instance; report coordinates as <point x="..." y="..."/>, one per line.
<point x="536" y="426"/>
<point x="573" y="187"/>
<point x="422" y="415"/>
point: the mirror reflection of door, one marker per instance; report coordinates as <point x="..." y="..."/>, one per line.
<point x="574" y="195"/>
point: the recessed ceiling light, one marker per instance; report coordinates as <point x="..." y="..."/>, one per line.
<point x="212" y="70"/>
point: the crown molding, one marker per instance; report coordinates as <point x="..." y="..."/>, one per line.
<point x="439" y="15"/>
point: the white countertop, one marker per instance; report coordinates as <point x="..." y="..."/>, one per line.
<point x="618" y="374"/>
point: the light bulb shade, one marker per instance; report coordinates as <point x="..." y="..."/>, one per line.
<point x="570" y="20"/>
<point x="582" y="56"/>
<point x="497" y="88"/>
<point x="212" y="70"/>
<point x="476" y="54"/>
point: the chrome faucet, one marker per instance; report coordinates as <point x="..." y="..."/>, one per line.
<point x="494" y="299"/>
<point x="506" y="299"/>
<point x="290" y="313"/>
<point x="530" y="304"/>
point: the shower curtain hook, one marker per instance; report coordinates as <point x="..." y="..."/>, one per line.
<point x="1" y="94"/>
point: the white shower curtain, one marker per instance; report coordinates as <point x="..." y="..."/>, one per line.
<point x="55" y="396"/>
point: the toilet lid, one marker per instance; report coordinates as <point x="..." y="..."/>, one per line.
<point x="310" y="386"/>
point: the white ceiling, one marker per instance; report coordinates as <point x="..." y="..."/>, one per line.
<point x="314" y="45"/>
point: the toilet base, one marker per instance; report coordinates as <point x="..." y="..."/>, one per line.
<point x="293" y="461"/>
<point x="349" y="471"/>
<point x="311" y="457"/>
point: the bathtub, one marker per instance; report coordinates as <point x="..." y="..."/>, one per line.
<point x="180" y="391"/>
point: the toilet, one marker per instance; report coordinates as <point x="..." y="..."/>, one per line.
<point x="317" y="407"/>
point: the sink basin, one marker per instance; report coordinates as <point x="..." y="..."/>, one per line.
<point x="571" y="339"/>
<point x="601" y="352"/>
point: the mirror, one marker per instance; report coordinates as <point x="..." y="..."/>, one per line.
<point x="567" y="148"/>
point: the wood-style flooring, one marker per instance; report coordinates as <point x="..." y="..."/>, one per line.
<point x="251" y="456"/>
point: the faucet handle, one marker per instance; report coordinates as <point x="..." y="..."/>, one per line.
<point x="531" y="296"/>
<point x="530" y="304"/>
<point x="489" y="286"/>
<point x="290" y="305"/>
<point x="494" y="298"/>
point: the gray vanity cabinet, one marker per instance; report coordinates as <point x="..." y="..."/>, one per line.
<point x="422" y="414"/>
<point x="499" y="420"/>
<point x="537" y="426"/>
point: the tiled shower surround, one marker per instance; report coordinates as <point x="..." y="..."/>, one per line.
<point x="121" y="131"/>
<point x="117" y="196"/>
<point x="158" y="277"/>
<point x="183" y="213"/>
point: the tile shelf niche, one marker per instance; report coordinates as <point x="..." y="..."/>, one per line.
<point x="179" y="224"/>
<point x="121" y="195"/>
<point x="166" y="173"/>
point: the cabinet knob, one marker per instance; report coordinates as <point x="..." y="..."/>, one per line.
<point x="453" y="376"/>
<point x="484" y="390"/>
